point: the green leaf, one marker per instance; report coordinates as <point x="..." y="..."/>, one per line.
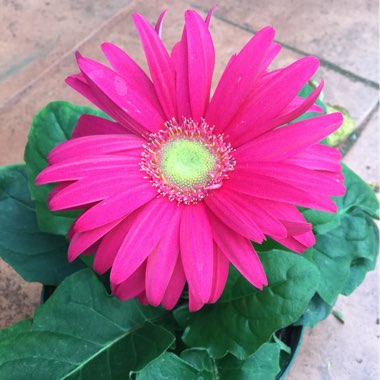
<point x="358" y="194"/>
<point x="53" y="125"/>
<point x="262" y="365"/>
<point x="35" y="255"/>
<point x="245" y="318"/>
<point x="316" y="311"/>
<point x="343" y="248"/>
<point x="81" y="332"/>
<point x="169" y="366"/>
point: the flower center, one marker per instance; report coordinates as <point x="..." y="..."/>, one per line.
<point x="184" y="162"/>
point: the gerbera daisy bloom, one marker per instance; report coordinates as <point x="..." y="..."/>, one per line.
<point x="177" y="186"/>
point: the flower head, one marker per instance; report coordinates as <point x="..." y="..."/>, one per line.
<point x="177" y="186"/>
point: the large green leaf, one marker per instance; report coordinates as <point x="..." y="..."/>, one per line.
<point x="345" y="254"/>
<point x="81" y="332"/>
<point x="316" y="311"/>
<point x="262" y="365"/>
<point x="35" y="255"/>
<point x="196" y="364"/>
<point x="245" y="318"/>
<point x="53" y="125"/>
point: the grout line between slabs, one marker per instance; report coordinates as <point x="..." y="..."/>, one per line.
<point x="114" y="18"/>
<point x="324" y="62"/>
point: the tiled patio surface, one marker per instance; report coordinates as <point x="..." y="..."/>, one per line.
<point x="37" y="41"/>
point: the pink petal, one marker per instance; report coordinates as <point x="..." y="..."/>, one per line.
<point x="305" y="179"/>
<point x="237" y="80"/>
<point x="133" y="74"/>
<point x="180" y="62"/>
<point x="265" y="187"/>
<point x="110" y="245"/>
<point x="201" y="61"/>
<point x="221" y="266"/>
<point x="239" y="252"/>
<point x="248" y="207"/>
<point x="298" y="243"/>
<point x="209" y="15"/>
<point x="160" y="65"/>
<point x="79" y="83"/>
<point x="318" y="157"/>
<point x="161" y="263"/>
<point x="160" y="21"/>
<point x="117" y="206"/>
<point x="194" y="303"/>
<point x="81" y="241"/>
<point x="175" y="286"/>
<point x="79" y="168"/>
<point x="197" y="250"/>
<point x="269" y="102"/>
<point x="94" y="125"/>
<point x="94" y="145"/>
<point x="272" y="53"/>
<point x="235" y="217"/>
<point x="149" y="226"/>
<point x="132" y="286"/>
<point x="125" y="93"/>
<point x="91" y="189"/>
<point x="292" y="139"/>
<point x="297" y="108"/>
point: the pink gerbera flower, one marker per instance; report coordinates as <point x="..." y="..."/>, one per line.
<point x="177" y="186"/>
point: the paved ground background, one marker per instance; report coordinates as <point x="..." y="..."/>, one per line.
<point x="37" y="41"/>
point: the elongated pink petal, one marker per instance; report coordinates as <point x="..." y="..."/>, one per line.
<point x="149" y="226"/>
<point x="272" y="53"/>
<point x="175" y="286"/>
<point x="94" y="125"/>
<point x="110" y="245"/>
<point x="161" y="263"/>
<point x="160" y="65"/>
<point x="219" y="278"/>
<point x="79" y="83"/>
<point x="180" y="62"/>
<point x="160" y="21"/>
<point x="296" y="111"/>
<point x="132" y="286"/>
<point x="234" y="216"/>
<point x="288" y="214"/>
<point x="318" y="157"/>
<point x="237" y="80"/>
<point x="298" y="243"/>
<point x="209" y="15"/>
<point x="117" y="206"/>
<point x="94" y="145"/>
<point x="90" y="190"/>
<point x="133" y="74"/>
<point x="292" y="139"/>
<point x="194" y="303"/>
<point x="247" y="206"/>
<point x="197" y="250"/>
<point x="239" y="252"/>
<point x="305" y="179"/>
<point x="262" y="186"/>
<point x="81" y="241"/>
<point x="201" y="61"/>
<point x="268" y="103"/>
<point x="126" y="94"/>
<point x="77" y="168"/>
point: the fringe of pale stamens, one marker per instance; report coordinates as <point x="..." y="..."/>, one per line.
<point x="202" y="133"/>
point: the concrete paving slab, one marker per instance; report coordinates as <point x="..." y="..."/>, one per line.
<point x="363" y="157"/>
<point x="36" y="33"/>
<point x="344" y="33"/>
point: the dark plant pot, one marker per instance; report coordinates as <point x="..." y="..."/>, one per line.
<point x="292" y="336"/>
